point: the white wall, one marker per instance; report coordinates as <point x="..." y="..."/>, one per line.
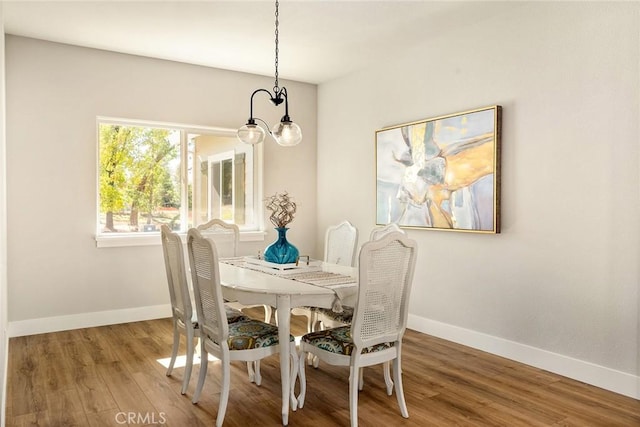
<point x="559" y="287"/>
<point x="57" y="276"/>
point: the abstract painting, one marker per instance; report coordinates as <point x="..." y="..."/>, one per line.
<point x="441" y="173"/>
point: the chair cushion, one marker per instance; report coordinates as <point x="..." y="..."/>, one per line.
<point x="234" y="315"/>
<point x="338" y="340"/>
<point x="344" y="317"/>
<point x="247" y="334"/>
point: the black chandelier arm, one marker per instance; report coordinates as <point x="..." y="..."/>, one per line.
<point x="276" y="98"/>
<point x="252" y="95"/>
<point x="283" y="91"/>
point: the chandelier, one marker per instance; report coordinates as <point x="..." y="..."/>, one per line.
<point x="286" y="132"/>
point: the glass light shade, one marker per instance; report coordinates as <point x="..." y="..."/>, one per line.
<point x="287" y="133"/>
<point x="251" y="134"/>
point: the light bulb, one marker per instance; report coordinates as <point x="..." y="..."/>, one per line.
<point x="251" y="134"/>
<point x="287" y="133"/>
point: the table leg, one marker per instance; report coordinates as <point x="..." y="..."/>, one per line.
<point x="284" y="329"/>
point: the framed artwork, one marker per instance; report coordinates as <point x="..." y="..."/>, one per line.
<point x="441" y="173"/>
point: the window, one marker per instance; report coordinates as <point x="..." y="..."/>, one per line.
<point x="151" y="174"/>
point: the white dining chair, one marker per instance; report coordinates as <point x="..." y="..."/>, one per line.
<point x="340" y="246"/>
<point x="341" y="243"/>
<point x="247" y="340"/>
<point x="381" y="231"/>
<point x="386" y="268"/>
<point x="181" y="308"/>
<point x="327" y="318"/>
<point x="225" y="235"/>
<point x="227" y="238"/>
<point x="183" y="317"/>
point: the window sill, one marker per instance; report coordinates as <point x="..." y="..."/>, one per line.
<point x="153" y="239"/>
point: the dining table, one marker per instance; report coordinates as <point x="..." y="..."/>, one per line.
<point x="318" y="284"/>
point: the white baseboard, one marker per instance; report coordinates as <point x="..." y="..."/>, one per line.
<point x="86" y="320"/>
<point x="590" y="373"/>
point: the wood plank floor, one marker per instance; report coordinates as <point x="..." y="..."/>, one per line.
<point x="86" y="377"/>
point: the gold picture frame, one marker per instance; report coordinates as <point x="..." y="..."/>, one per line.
<point x="441" y="173"/>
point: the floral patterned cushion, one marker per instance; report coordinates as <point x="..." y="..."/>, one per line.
<point x="234" y="315"/>
<point x="338" y="340"/>
<point x="247" y="334"/>
<point x="344" y="317"/>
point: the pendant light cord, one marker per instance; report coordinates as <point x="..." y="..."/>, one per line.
<point x="276" y="88"/>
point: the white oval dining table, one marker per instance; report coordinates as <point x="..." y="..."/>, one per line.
<point x="252" y="287"/>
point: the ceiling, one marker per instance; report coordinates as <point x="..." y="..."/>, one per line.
<point x="319" y="40"/>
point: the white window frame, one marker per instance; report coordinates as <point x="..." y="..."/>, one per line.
<point x="219" y="159"/>
<point x="105" y="240"/>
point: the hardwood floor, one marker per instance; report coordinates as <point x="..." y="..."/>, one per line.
<point x="104" y="376"/>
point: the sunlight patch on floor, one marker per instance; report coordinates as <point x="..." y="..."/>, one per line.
<point x="181" y="361"/>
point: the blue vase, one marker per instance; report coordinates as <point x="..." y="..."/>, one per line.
<point x="281" y="251"/>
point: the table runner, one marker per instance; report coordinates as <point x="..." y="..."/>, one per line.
<point x="343" y="285"/>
